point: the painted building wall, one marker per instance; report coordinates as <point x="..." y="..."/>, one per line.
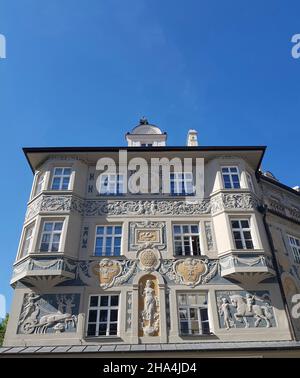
<point x="239" y="288"/>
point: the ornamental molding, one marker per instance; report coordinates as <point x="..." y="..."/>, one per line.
<point x="149" y="258"/>
<point x="281" y="209"/>
<point x="70" y="203"/>
<point x="243" y="309"/>
<point x="49" y="313"/>
<point x="151" y="232"/>
<point x="232" y="261"/>
<point x="190" y="272"/>
<point x="209" y="235"/>
<point x="233" y="201"/>
<point x="107" y="272"/>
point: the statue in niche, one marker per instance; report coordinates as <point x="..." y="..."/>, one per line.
<point x="150" y="315"/>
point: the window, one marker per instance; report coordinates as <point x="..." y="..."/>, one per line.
<point x="27" y="240"/>
<point x="242" y="234"/>
<point x="186" y="240"/>
<point x="231" y="177"/>
<point x="39" y="184"/>
<point x="103" y="315"/>
<point x="181" y="183"/>
<point x="295" y="245"/>
<point x="61" y="179"/>
<point x="250" y="182"/>
<point x="111" y="184"/>
<point x="193" y="315"/>
<point x="146" y="145"/>
<point x="108" y="240"/>
<point x="51" y="236"/>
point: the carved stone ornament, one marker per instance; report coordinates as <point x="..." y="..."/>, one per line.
<point x="148" y="258"/>
<point x="227" y="201"/>
<point x="148" y="306"/>
<point x="241" y="309"/>
<point x="190" y="271"/>
<point x="209" y="235"/>
<point x="143" y="236"/>
<point x="147" y="232"/>
<point x="49" y="313"/>
<point x="107" y="271"/>
<point x="71" y="203"/>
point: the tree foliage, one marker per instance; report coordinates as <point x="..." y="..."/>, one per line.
<point x="3" y="325"/>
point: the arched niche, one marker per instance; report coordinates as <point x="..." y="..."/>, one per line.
<point x="149" y="306"/>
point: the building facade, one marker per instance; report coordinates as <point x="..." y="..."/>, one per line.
<point x="102" y="269"/>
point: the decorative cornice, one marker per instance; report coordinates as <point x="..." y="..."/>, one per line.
<point x="284" y="211"/>
<point x="71" y="203"/>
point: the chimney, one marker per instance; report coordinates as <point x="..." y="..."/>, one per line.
<point x="192" y="139"/>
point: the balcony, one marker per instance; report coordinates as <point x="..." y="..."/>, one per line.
<point x="43" y="271"/>
<point x="252" y="267"/>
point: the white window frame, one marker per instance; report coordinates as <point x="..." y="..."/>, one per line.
<point x="181" y="179"/>
<point x="40" y="181"/>
<point x="61" y="178"/>
<point x="241" y="230"/>
<point x="25" y="239"/>
<point x="188" y="234"/>
<point x="113" y="235"/>
<point x="250" y="182"/>
<point x="230" y="174"/>
<point x="98" y="309"/>
<point x="52" y="232"/>
<point x="295" y="248"/>
<point x="115" y="182"/>
<point x="198" y="307"/>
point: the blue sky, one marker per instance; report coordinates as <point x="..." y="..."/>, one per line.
<point x="82" y="73"/>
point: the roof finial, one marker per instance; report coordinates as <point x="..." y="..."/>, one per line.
<point x="144" y="121"/>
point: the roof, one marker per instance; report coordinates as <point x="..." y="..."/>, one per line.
<point x="279" y="184"/>
<point x="142" y="348"/>
<point x="146" y="129"/>
<point x="36" y="155"/>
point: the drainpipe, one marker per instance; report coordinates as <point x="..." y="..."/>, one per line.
<point x="264" y="209"/>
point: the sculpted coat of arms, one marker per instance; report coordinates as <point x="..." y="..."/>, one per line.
<point x="190" y="271"/>
<point x="107" y="271"/>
